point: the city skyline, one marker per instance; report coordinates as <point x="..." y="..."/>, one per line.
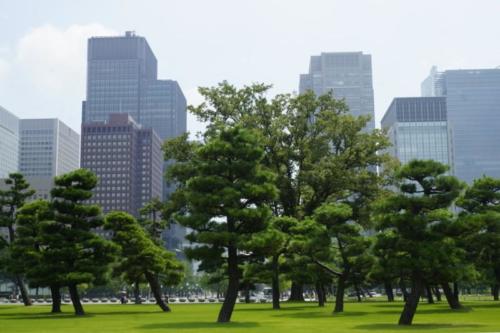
<point x="242" y="55"/>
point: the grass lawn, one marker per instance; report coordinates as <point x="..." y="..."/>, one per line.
<point x="381" y="317"/>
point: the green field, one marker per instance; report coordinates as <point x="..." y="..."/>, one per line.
<point x="481" y="316"/>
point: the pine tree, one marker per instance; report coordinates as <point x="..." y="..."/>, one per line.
<point x="141" y="258"/>
<point x="83" y="255"/>
<point x="11" y="201"/>
<point x="29" y="249"/>
<point x="226" y="196"/>
<point x="416" y="223"/>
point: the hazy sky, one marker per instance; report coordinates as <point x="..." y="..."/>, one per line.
<point x="200" y="43"/>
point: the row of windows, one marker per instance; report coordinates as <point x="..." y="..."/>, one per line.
<point x="105" y="191"/>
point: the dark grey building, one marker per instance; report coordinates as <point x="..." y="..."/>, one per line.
<point x="347" y="75"/>
<point x="122" y="78"/>
<point x="473" y="109"/>
<point x="127" y="158"/>
<point x="417" y="128"/>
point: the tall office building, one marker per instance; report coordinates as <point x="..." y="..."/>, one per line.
<point x="122" y="78"/>
<point x="127" y="159"/>
<point x="48" y="148"/>
<point x="9" y="143"/>
<point x="347" y="75"/>
<point x="473" y="110"/>
<point x="417" y="128"/>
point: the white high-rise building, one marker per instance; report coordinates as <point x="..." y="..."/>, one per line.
<point x="473" y="116"/>
<point x="48" y="148"/>
<point x="347" y="75"/>
<point x="9" y="143"/>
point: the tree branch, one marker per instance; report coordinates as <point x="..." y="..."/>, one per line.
<point x="326" y="268"/>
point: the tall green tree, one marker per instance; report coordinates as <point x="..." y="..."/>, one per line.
<point x="140" y="257"/>
<point x="481" y="216"/>
<point x="226" y="196"/>
<point x="29" y="248"/>
<point x="70" y="238"/>
<point x="11" y="200"/>
<point x="416" y="222"/>
<point x="152" y="219"/>
<point x="317" y="150"/>
<point x="348" y="246"/>
<point x="275" y="241"/>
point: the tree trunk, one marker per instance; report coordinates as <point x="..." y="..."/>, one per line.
<point x="156" y="289"/>
<point x="55" y="293"/>
<point x="339" y="297"/>
<point x="75" y="299"/>
<point x="453" y="301"/>
<point x="358" y="292"/>
<point x="403" y="290"/>
<point x="428" y="294"/>
<point x="247" y="292"/>
<point x="296" y="292"/>
<point x="411" y="303"/>
<point x="388" y="291"/>
<point x="437" y="293"/>
<point x="320" y="294"/>
<point x="456" y="291"/>
<point x="232" y="288"/>
<point x="24" y="292"/>
<point x="276" y="284"/>
<point x="494" y="291"/>
<point x="137" y="293"/>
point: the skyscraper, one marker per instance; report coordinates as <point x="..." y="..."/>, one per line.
<point x="347" y="75"/>
<point x="127" y="158"/>
<point x="9" y="143"/>
<point x="473" y="109"/>
<point x="417" y="128"/>
<point x="48" y="148"/>
<point x="122" y="78"/>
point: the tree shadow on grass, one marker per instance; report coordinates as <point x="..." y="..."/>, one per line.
<point x="318" y="314"/>
<point x="70" y="315"/>
<point x="40" y="316"/>
<point x="266" y="309"/>
<point x="395" y="327"/>
<point x="488" y="305"/>
<point x="200" y="325"/>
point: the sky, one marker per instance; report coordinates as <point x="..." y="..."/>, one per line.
<point x="200" y="43"/>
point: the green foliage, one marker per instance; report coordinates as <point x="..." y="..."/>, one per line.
<point x="417" y="220"/>
<point x="481" y="220"/>
<point x="12" y="199"/>
<point x="226" y="194"/>
<point x="29" y="248"/>
<point x="152" y="219"/>
<point x="84" y="256"/>
<point x="418" y="228"/>
<point x="139" y="254"/>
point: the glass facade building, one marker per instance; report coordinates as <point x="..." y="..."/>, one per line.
<point x="127" y="159"/>
<point x="122" y="78"/>
<point x="347" y="75"/>
<point x="473" y="110"/>
<point x="417" y="128"/>
<point x="48" y="148"/>
<point x="9" y="143"/>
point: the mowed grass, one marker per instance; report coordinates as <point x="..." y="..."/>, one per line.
<point x="481" y="316"/>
